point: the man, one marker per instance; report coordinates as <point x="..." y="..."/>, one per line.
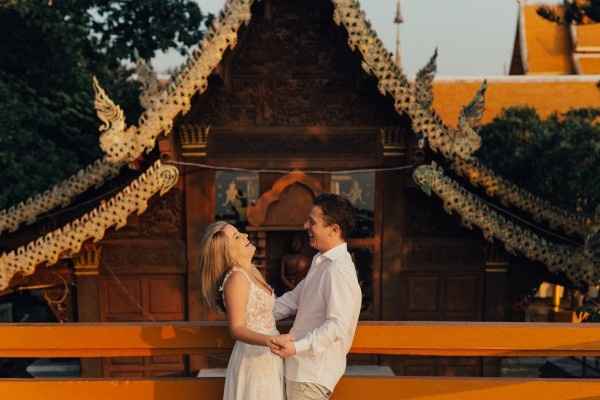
<point x="326" y="303"/>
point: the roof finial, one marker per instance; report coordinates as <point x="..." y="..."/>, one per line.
<point x="398" y="20"/>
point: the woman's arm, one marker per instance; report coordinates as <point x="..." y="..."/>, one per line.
<point x="237" y="289"/>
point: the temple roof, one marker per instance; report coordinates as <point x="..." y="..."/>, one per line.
<point x="537" y="92"/>
<point x="547" y="48"/>
<point x="123" y="144"/>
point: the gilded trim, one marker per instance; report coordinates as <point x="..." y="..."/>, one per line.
<point x="68" y="239"/>
<point x="578" y="264"/>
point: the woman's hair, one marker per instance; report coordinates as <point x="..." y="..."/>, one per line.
<point x="215" y="261"/>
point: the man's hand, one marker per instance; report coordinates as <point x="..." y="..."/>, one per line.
<point x="281" y="340"/>
<point x="278" y="342"/>
<point x="285" y="351"/>
<point x="282" y="345"/>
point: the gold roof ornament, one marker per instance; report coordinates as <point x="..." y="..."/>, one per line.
<point x="576" y="262"/>
<point x="424" y="82"/>
<point x="511" y="194"/>
<point x="60" y="195"/>
<point x="398" y="20"/>
<point x="68" y="239"/>
<point x="118" y="143"/>
<point x="87" y="261"/>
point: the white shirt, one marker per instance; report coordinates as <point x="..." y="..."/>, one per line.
<point x="327" y="306"/>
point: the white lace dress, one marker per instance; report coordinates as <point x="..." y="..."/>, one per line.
<point x="253" y="372"/>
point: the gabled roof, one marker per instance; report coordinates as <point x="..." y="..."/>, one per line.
<point x="122" y="144"/>
<point x="507" y="91"/>
<point x="586" y="48"/>
<point x="547" y="48"/>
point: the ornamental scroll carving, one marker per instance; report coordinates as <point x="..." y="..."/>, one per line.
<point x="68" y="239"/>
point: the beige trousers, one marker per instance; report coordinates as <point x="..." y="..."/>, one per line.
<point x="306" y="391"/>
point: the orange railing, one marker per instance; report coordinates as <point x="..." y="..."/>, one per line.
<point x="397" y="338"/>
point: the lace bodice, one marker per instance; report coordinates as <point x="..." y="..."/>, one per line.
<point x="259" y="308"/>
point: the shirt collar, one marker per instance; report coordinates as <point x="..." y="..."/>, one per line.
<point x="335" y="252"/>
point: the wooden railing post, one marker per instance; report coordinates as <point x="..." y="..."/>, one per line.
<point x="87" y="266"/>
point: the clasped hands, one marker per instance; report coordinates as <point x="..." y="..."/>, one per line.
<point x="282" y="345"/>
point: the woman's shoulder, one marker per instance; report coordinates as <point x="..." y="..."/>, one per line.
<point x="235" y="277"/>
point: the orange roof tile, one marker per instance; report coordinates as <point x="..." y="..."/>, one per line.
<point x="546" y="94"/>
<point x="587" y="38"/>
<point x="588" y="64"/>
<point x="545" y="46"/>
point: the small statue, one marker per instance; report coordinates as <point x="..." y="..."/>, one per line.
<point x="295" y="266"/>
<point x="355" y="193"/>
<point x="231" y="194"/>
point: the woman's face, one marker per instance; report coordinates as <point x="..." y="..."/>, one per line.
<point x="240" y="248"/>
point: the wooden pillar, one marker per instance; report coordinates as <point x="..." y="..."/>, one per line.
<point x="495" y="297"/>
<point x="86" y="265"/>
<point x="199" y="207"/>
<point x="393" y="232"/>
<point x="496" y="285"/>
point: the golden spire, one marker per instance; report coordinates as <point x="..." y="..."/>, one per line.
<point x="398" y="20"/>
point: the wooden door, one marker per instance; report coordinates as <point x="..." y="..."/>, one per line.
<point x="143" y="298"/>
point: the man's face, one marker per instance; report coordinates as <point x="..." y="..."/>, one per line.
<point x="320" y="235"/>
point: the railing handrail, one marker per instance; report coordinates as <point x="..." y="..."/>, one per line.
<point x="375" y="337"/>
<point x="349" y="388"/>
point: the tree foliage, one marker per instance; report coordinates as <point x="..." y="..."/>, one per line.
<point x="557" y="158"/>
<point x="48" y="127"/>
<point x="572" y="12"/>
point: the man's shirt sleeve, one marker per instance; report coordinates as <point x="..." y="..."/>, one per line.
<point x="287" y="304"/>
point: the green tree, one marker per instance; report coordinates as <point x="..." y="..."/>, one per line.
<point x="575" y="12"/>
<point x="48" y="127"/>
<point x="557" y="158"/>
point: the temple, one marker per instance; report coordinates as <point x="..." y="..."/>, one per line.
<point x="281" y="101"/>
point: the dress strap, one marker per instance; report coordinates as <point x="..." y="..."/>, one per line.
<point x="229" y="274"/>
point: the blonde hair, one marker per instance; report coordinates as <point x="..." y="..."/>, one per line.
<point x="215" y="261"/>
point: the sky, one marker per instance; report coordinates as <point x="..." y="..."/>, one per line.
<point x="474" y="37"/>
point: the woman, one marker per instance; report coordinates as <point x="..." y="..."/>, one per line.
<point x="227" y="275"/>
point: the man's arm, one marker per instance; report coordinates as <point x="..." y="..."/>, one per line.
<point x="340" y="298"/>
<point x="287" y="304"/>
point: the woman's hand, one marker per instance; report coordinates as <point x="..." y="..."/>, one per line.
<point x="278" y="342"/>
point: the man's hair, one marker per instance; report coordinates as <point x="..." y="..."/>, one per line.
<point x="337" y="210"/>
